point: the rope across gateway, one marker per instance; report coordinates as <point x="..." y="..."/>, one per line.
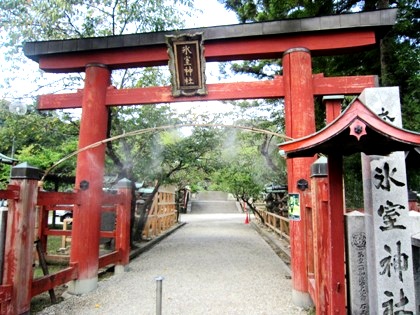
<point x="142" y="131"/>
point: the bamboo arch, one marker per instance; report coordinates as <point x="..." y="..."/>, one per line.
<point x="141" y="131"/>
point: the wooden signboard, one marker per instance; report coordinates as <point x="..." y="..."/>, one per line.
<point x="187" y="64"/>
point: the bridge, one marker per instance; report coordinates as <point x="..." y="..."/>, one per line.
<point x="225" y="251"/>
<point x="213" y="264"/>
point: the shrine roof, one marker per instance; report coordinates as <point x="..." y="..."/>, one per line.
<point x="6" y="159"/>
<point x="357" y="129"/>
<point x="380" y="20"/>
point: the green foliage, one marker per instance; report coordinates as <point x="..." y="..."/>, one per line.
<point x="4" y="175"/>
<point x="38" y="156"/>
<point x="196" y="154"/>
<point x="399" y="50"/>
<point x="63" y="19"/>
<point x="352" y="169"/>
<point x="37" y="138"/>
<point x="57" y="19"/>
<point x="243" y="171"/>
<point x="396" y="61"/>
<point x="25" y="21"/>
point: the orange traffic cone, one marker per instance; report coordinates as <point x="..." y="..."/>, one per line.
<point x="247" y="218"/>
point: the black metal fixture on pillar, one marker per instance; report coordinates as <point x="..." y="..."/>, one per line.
<point x="302" y="184"/>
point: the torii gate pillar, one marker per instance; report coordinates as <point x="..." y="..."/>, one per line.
<point x="300" y="122"/>
<point x="89" y="177"/>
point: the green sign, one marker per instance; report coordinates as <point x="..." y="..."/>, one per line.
<point x="294" y="207"/>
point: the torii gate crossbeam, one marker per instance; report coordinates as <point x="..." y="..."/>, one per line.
<point x="219" y="92"/>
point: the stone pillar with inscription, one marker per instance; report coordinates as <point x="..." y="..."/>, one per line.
<point x="358" y="289"/>
<point x="387" y="221"/>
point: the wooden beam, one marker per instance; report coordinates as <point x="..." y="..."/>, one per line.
<point x="220" y="91"/>
<point x="263" y="47"/>
<point x="336" y="247"/>
<point x="274" y="47"/>
<point x="108" y="259"/>
<point x="162" y="94"/>
<point x="53" y="198"/>
<point x="299" y="112"/>
<point x="349" y="85"/>
<point x="90" y="169"/>
<point x="48" y="282"/>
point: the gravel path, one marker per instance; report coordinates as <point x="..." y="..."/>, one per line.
<point x="215" y="264"/>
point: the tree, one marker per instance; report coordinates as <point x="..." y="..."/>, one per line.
<point x="39" y="139"/>
<point x="243" y="170"/>
<point x="397" y="61"/>
<point x="58" y="19"/>
<point x="23" y="21"/>
<point x="180" y="158"/>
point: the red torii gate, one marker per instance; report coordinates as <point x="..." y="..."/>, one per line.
<point x="297" y="40"/>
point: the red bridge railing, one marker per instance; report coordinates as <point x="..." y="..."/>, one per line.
<point x="27" y="221"/>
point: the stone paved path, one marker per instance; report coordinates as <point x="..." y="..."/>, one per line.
<point x="215" y="264"/>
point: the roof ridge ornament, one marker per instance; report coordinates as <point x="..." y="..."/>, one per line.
<point x="358" y="129"/>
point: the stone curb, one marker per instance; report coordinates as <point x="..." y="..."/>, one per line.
<point x="145" y="246"/>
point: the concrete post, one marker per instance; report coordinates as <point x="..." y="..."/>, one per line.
<point x="357" y="287"/>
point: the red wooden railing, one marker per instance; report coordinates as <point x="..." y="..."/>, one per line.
<point x="12" y="300"/>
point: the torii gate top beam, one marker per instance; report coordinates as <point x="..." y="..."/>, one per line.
<point x="321" y="35"/>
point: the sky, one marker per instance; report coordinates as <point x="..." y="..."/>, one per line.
<point x="212" y="14"/>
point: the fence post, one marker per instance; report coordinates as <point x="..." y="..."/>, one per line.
<point x="322" y="268"/>
<point x="122" y="229"/>
<point x="20" y="238"/>
<point x="3" y="222"/>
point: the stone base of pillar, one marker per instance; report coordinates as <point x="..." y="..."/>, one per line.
<point x="119" y="269"/>
<point x="79" y="287"/>
<point x="302" y="299"/>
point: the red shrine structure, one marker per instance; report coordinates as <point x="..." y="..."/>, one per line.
<point x="293" y="41"/>
<point x="357" y="129"/>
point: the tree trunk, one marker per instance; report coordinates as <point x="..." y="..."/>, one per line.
<point x="253" y="208"/>
<point x="264" y="152"/>
<point x="385" y="50"/>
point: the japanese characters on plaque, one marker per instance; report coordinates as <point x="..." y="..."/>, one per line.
<point x="388" y="235"/>
<point x="187" y="64"/>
